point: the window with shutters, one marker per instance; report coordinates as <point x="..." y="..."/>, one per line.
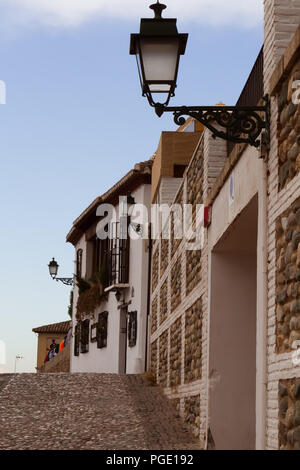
<point x="84" y="336"/>
<point x="132" y="328"/>
<point x="102" y="330"/>
<point x="79" y="263"/>
<point x="99" y="262"/>
<point x="118" y="253"/>
<point x="76" y="339"/>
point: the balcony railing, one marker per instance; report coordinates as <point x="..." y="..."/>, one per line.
<point x="118" y="257"/>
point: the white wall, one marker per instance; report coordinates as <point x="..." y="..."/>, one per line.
<point x="106" y="360"/>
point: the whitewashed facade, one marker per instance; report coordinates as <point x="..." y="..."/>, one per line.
<point x="123" y="305"/>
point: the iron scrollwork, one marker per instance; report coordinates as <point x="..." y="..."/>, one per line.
<point x="240" y="123"/>
<point x="68" y="281"/>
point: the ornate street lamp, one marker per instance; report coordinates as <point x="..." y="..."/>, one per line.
<point x="53" y="269"/>
<point x="158" y="48"/>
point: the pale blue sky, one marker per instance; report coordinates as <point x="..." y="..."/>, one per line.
<point x="75" y="122"/>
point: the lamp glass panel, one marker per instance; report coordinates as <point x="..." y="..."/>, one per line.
<point x="163" y="87"/>
<point x="53" y="270"/>
<point x="160" y="58"/>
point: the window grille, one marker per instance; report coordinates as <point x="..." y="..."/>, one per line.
<point x="118" y="254"/>
<point x="84" y="337"/>
<point x="102" y="330"/>
<point x="132" y="328"/>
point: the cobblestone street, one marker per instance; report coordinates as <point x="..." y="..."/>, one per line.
<point x="87" y="411"/>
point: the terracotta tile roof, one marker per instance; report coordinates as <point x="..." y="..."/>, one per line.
<point x="62" y="327"/>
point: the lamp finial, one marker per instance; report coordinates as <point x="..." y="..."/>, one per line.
<point x="158" y="9"/>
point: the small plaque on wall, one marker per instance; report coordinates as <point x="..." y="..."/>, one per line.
<point x="94" y="333"/>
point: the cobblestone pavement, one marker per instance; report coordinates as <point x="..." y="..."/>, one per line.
<point x="4" y="379"/>
<point x="88" y="411"/>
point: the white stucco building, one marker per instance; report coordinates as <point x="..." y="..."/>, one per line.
<point x="111" y="281"/>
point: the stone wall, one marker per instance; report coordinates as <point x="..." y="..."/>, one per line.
<point x="179" y="290"/>
<point x="175" y="353"/>
<point x="175" y="221"/>
<point x="288" y="278"/>
<point x="289" y="129"/>
<point x="153" y="358"/>
<point x="163" y="359"/>
<point x="163" y="302"/>
<point x="289" y="414"/>
<point x="192" y="413"/>
<point x="155" y="274"/>
<point x="164" y="255"/>
<point x="192" y="344"/>
<point x="283" y="192"/>
<point x="176" y="285"/>
<point x="154" y="316"/>
<point x="193" y="269"/>
<point x="195" y="179"/>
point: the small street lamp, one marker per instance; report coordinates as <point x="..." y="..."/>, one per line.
<point x="158" y="48"/>
<point x="53" y="269"/>
<point x="18" y="357"/>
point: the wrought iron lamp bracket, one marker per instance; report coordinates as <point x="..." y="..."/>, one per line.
<point x="239" y="124"/>
<point x="68" y="281"/>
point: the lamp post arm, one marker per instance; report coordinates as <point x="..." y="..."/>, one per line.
<point x="68" y="281"/>
<point x="239" y="123"/>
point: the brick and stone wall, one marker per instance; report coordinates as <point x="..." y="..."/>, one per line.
<point x="163" y="302"/>
<point x="179" y="332"/>
<point x="175" y="352"/>
<point x="289" y="414"/>
<point x="288" y="129"/>
<point x="154" y="316"/>
<point x="193" y="269"/>
<point x="281" y="65"/>
<point x="176" y="285"/>
<point x="288" y="278"/>
<point x="163" y="359"/>
<point x="175" y="230"/>
<point x="192" y="343"/>
<point x="155" y="273"/>
<point x="164" y="255"/>
<point x="153" y="358"/>
<point x="192" y="412"/>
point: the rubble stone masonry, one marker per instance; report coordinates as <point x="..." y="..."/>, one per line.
<point x="288" y="278"/>
<point x="153" y="361"/>
<point x="163" y="302"/>
<point x="179" y="332"/>
<point x="164" y="255"/>
<point x="175" y="353"/>
<point x="155" y="260"/>
<point x="289" y="129"/>
<point x="192" y="412"/>
<point x="281" y="66"/>
<point x="163" y="359"/>
<point x="289" y="414"/>
<point x="192" y="344"/>
<point x="176" y="285"/>
<point x="193" y="269"/>
<point x="154" y="316"/>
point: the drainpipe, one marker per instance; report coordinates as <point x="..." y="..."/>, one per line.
<point x="148" y="293"/>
